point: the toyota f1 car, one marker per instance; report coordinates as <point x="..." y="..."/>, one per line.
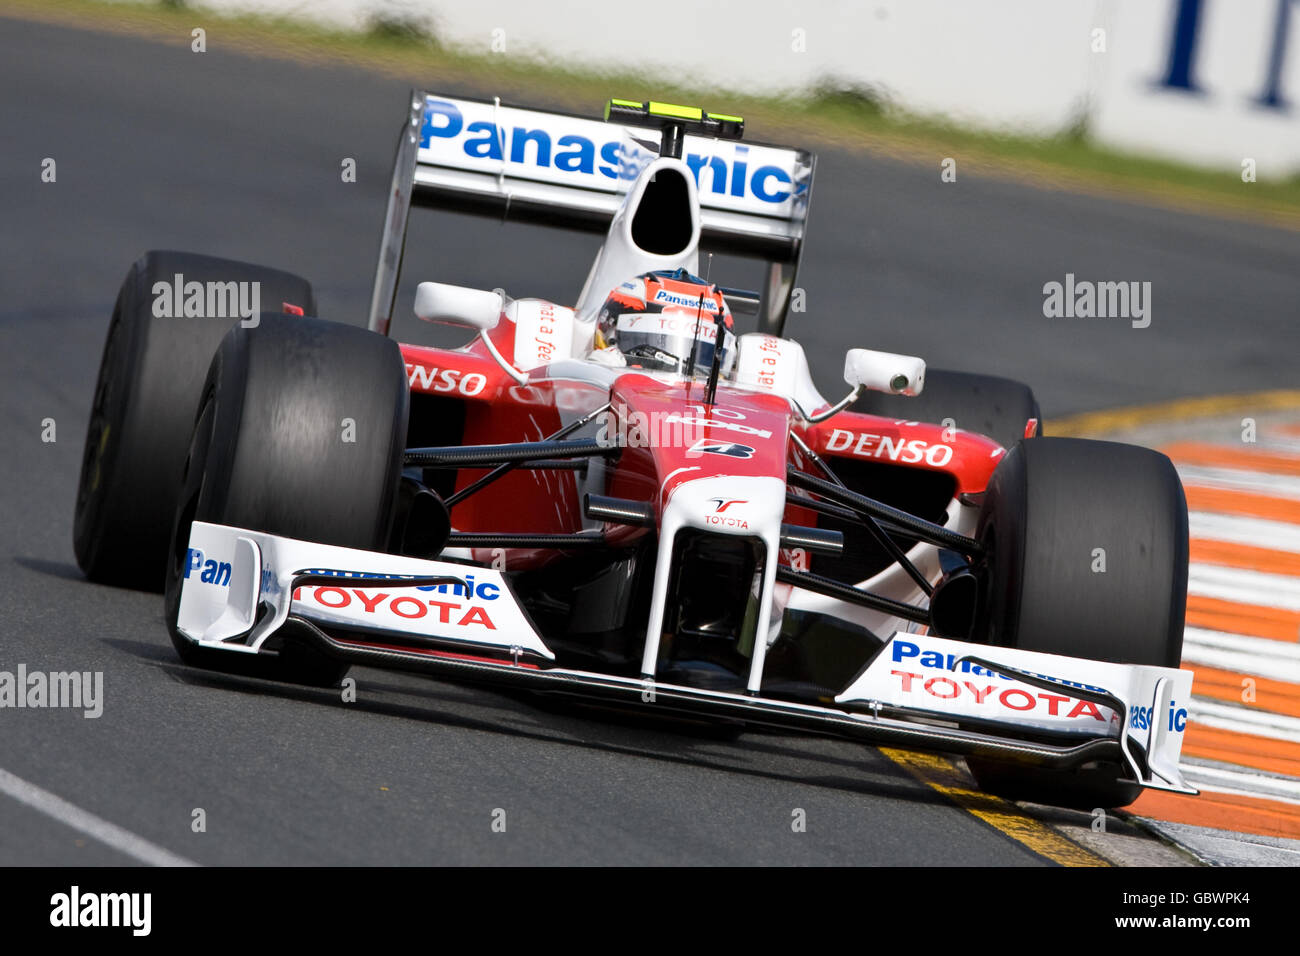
<point x="622" y="499"/>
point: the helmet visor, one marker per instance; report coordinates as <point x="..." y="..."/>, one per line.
<point x="663" y="340"/>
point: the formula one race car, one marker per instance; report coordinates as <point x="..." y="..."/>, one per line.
<point x="623" y="498"/>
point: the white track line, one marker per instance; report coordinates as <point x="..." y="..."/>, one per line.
<point x="1261" y="648"/>
<point x="1235" y="479"/>
<point x="1259" y="588"/>
<point x="1256" y="722"/>
<point x="110" y="834"/>
<point x="1278" y="442"/>
<point x="1244" y="782"/>
<point x="1279" y="535"/>
<point x="1274" y="669"/>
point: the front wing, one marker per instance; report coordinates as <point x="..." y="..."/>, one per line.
<point x="242" y="591"/>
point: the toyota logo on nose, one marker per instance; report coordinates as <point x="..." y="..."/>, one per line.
<point x="722" y="504"/>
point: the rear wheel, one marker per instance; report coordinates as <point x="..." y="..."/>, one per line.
<point x="142" y="414"/>
<point x="985" y="404"/>
<point x="300" y="434"/>
<point x="1087" y="557"/>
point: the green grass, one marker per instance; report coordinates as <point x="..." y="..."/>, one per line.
<point x="848" y="118"/>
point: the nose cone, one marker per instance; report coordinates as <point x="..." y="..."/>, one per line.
<point x="669" y="436"/>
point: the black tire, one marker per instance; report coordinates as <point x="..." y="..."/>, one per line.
<point x="268" y="454"/>
<point x="142" y="414"/>
<point x="985" y="404"/>
<point x="1052" y="502"/>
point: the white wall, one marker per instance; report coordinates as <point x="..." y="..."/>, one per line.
<point x="1026" y="64"/>
<point x="1222" y="124"/>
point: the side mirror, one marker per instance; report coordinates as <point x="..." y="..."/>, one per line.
<point x="457" y="305"/>
<point x="884" y="371"/>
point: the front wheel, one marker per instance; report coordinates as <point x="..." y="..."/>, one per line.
<point x="145" y="401"/>
<point x="1087" y="557"/>
<point x="300" y="433"/>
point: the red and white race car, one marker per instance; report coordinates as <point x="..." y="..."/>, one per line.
<point x="622" y="498"/>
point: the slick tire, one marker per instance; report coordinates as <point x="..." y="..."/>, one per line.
<point x="300" y="433"/>
<point x="143" y="410"/>
<point x="1087" y="557"/>
<point x="986" y="404"/>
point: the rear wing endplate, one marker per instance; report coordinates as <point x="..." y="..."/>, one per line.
<point x="558" y="169"/>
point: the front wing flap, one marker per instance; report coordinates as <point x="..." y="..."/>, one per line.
<point x="1143" y="708"/>
<point x="239" y="587"/>
<point x="464" y="622"/>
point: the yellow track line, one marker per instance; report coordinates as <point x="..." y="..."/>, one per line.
<point x="942" y="775"/>
<point x="1092" y="423"/>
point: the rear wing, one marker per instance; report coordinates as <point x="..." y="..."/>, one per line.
<point x="559" y="169"/>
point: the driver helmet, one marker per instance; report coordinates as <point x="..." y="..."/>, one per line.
<point x="657" y="318"/>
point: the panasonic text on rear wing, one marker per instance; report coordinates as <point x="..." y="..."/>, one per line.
<point x="558" y="169"/>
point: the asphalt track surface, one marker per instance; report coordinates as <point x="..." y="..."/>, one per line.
<point x="157" y="147"/>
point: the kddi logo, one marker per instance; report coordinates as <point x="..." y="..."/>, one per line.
<point x="77" y="909"/>
<point x="212" y="300"/>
